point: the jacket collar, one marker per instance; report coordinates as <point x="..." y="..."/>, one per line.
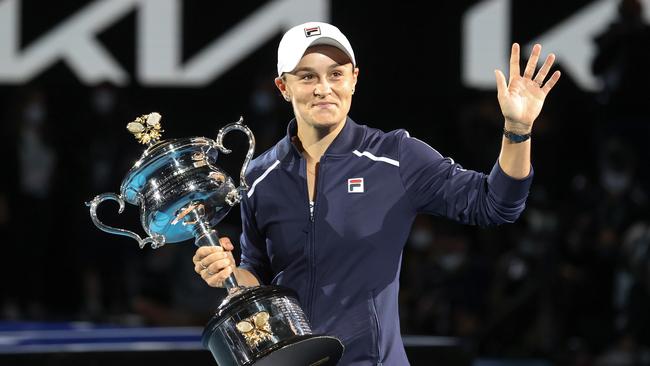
<point x="349" y="139"/>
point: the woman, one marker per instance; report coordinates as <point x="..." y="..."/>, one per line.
<point x="332" y="203"/>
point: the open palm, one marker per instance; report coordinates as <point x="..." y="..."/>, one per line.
<point x="521" y="99"/>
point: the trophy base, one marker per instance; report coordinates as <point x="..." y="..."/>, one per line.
<point x="311" y="350"/>
<point x="265" y="326"/>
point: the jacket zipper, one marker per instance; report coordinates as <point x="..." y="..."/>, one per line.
<point x="306" y="304"/>
<point x="312" y="271"/>
<point x="312" y="239"/>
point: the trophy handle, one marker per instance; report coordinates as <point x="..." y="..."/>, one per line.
<point x="235" y="195"/>
<point x="156" y="241"/>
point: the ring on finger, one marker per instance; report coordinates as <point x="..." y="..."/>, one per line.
<point x="210" y="273"/>
<point x="203" y="266"/>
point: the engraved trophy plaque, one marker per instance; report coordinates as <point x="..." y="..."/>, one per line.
<point x="183" y="194"/>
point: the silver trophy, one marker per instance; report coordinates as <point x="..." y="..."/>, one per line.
<point x="183" y="194"/>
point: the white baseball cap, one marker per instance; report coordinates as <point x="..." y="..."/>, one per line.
<point x="296" y="40"/>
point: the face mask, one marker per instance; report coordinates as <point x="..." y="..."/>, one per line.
<point x="262" y="101"/>
<point x="528" y="248"/>
<point x="421" y="239"/>
<point x="517" y="269"/>
<point x="104" y="101"/>
<point x="451" y="262"/>
<point x="614" y="182"/>
<point x="34" y="114"/>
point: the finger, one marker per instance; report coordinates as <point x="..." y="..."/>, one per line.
<point x="541" y="75"/>
<point x="551" y="82"/>
<point x="220" y="265"/>
<point x="215" y="262"/>
<point x="218" y="279"/>
<point x="197" y="257"/>
<point x="201" y="263"/>
<point x="226" y="243"/>
<point x="207" y="261"/>
<point x="203" y="252"/>
<point x="205" y="275"/>
<point x="222" y="276"/>
<point x="502" y="85"/>
<point x="201" y="271"/>
<point x="514" y="61"/>
<point x="532" y="61"/>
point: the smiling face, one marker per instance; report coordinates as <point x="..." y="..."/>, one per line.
<point x="320" y="87"/>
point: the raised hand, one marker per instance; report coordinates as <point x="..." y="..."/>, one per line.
<point x="521" y="98"/>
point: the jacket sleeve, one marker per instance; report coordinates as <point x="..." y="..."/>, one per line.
<point x="253" y="245"/>
<point x="437" y="185"/>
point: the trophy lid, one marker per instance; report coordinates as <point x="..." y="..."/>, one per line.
<point x="172" y="175"/>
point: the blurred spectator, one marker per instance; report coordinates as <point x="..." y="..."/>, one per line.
<point x="267" y="119"/>
<point x="109" y="266"/>
<point x="622" y="63"/>
<point x="9" y="293"/>
<point x="622" y="59"/>
<point x="421" y="309"/>
<point x="481" y="117"/>
<point x="590" y="279"/>
<point x="626" y="352"/>
<point x="443" y="284"/>
<point x="632" y="296"/>
<point x="31" y="206"/>
<point x="170" y="293"/>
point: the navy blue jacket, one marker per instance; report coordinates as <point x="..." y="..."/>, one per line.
<point x="344" y="260"/>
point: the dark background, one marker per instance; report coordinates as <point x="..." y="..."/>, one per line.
<point x="569" y="282"/>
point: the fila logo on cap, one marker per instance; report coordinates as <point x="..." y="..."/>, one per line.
<point x="355" y="185"/>
<point x="313" y="31"/>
